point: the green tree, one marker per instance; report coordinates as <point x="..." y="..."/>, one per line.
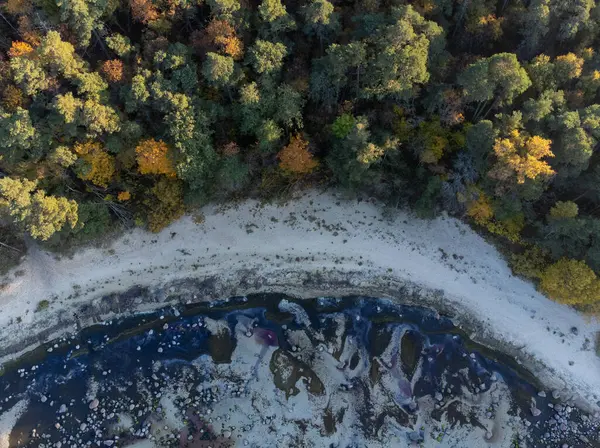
<point x="320" y="20"/>
<point x="267" y="57"/>
<point x="493" y="81"/>
<point x="223" y="8"/>
<point x="275" y="17"/>
<point x="534" y="26"/>
<point x="400" y="54"/>
<point x="219" y="70"/>
<point x="17" y="134"/>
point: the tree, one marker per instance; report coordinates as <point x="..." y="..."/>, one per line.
<point x="499" y="79"/>
<point x="567" y="67"/>
<point x="166" y="204"/>
<point x="268" y="135"/>
<point x="320" y="19"/>
<point x="219" y="36"/>
<point x="267" y="57"/>
<point x="17" y="133"/>
<point x="120" y="44"/>
<point x="520" y="156"/>
<point x="84" y="16"/>
<point x="535" y="26"/>
<point x="573" y="145"/>
<point x="332" y="74"/>
<point x="275" y="16"/>
<point x="153" y="158"/>
<point x="564" y="209"/>
<point x="143" y="11"/>
<point x="98" y="167"/>
<point x="113" y="70"/>
<point x="218" y="70"/>
<point x="29" y="74"/>
<point x="18" y="48"/>
<point x="571" y="282"/>
<point x="295" y="157"/>
<point x="223" y="8"/>
<point x="572" y="15"/>
<point x="99" y="119"/>
<point x="39" y="214"/>
<point x="399" y="55"/>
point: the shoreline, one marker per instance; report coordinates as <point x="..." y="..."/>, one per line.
<point x="319" y="244"/>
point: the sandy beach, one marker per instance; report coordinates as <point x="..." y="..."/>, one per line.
<point x="304" y="248"/>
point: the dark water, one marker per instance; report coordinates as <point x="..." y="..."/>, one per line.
<point x="397" y="375"/>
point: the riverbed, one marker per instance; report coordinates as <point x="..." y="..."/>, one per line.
<point x="270" y="370"/>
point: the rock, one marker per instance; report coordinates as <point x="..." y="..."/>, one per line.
<point x="542" y="394"/>
<point x="555" y="394"/>
<point x="44" y="399"/>
<point x="439" y="396"/>
<point x="62" y="409"/>
<point x="535" y="411"/>
<point x="415" y="436"/>
<point x="82" y="427"/>
<point x="94" y="403"/>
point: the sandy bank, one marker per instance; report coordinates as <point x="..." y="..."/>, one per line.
<point x="319" y="244"/>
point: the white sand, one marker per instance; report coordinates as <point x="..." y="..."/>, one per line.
<point x="338" y="236"/>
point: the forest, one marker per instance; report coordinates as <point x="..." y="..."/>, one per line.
<point x="122" y="113"/>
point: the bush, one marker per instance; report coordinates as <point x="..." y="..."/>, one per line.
<point x="531" y="263"/>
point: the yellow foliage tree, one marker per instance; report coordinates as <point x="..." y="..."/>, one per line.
<point x="124" y="196"/>
<point x="571" y="282"/>
<point x="98" y="167"/>
<point x="18" y="48"/>
<point x="153" y="158"/>
<point x="480" y="210"/>
<point x="295" y="157"/>
<point x="521" y="157"/>
<point x="166" y="205"/>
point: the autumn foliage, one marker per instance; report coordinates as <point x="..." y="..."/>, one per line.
<point x="153" y="158"/>
<point x="143" y="11"/>
<point x="166" y="205"/>
<point x="521" y="156"/>
<point x="295" y="157"/>
<point x="98" y="167"/>
<point x="19" y="48"/>
<point x="219" y="36"/>
<point x="113" y="70"/>
<point x="570" y="281"/>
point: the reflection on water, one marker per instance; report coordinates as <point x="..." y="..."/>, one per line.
<point x="266" y="370"/>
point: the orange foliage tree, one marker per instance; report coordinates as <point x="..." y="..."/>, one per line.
<point x="143" y="11"/>
<point x="295" y="157"/>
<point x="98" y="166"/>
<point x="19" y="48"/>
<point x="113" y="70"/>
<point x="219" y="36"/>
<point x="153" y="158"/>
<point x="123" y="196"/>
